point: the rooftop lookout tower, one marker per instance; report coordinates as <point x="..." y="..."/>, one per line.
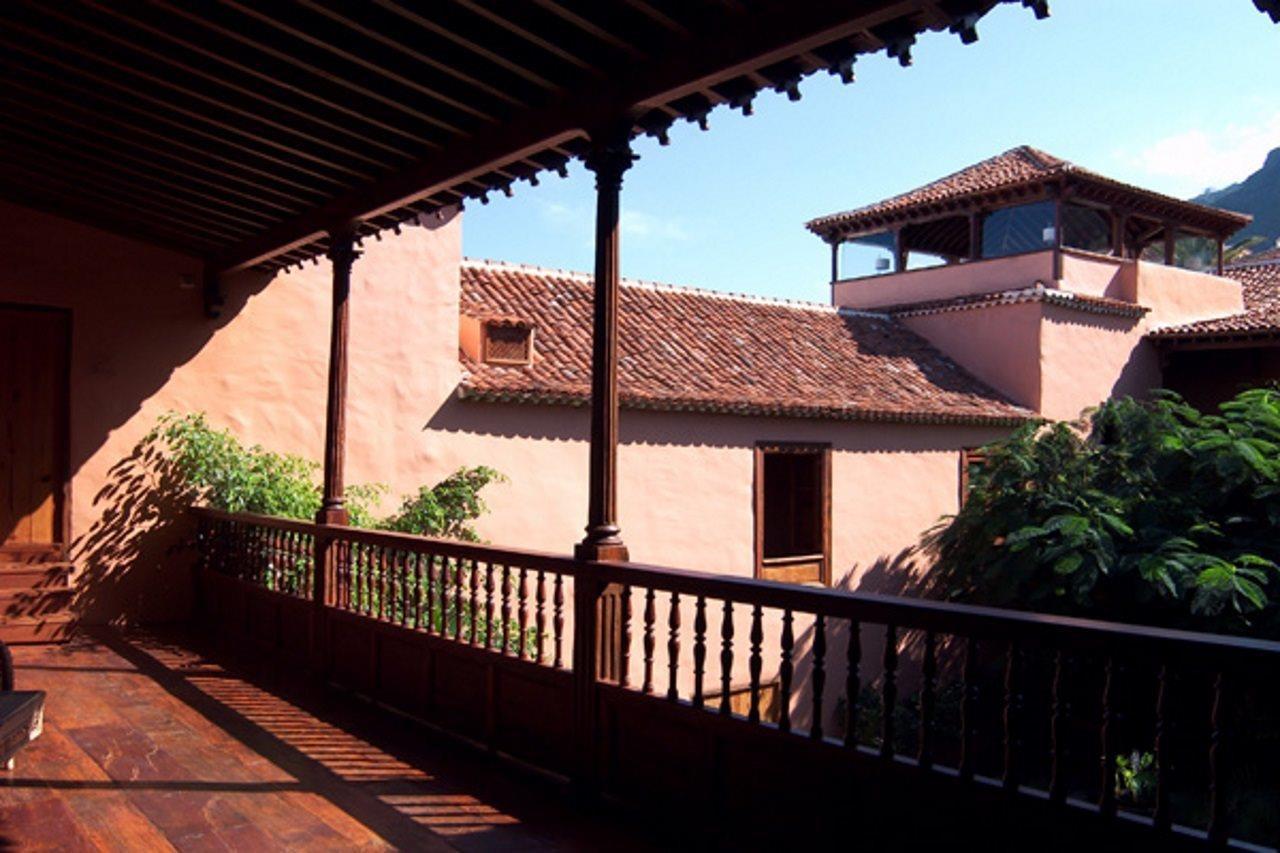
<point x="1013" y="221"/>
<point x="1041" y="278"/>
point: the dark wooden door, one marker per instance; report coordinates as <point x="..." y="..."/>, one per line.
<point x="33" y="375"/>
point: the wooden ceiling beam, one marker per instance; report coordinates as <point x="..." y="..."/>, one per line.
<point x="185" y="119"/>
<point x="322" y="139"/>
<point x="428" y="139"/>
<point x="40" y="142"/>
<point x="518" y="69"/>
<point x="529" y="36"/>
<point x="590" y="28"/>
<point x="457" y="102"/>
<point x="97" y="122"/>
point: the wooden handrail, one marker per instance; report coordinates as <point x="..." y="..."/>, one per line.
<point x="926" y="614"/>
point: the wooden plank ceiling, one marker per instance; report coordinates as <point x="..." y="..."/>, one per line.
<point x="241" y="132"/>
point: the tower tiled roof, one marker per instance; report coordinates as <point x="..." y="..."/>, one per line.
<point x="687" y="349"/>
<point x="1018" y="168"/>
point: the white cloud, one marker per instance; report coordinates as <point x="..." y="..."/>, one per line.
<point x="635" y="224"/>
<point x="1196" y="159"/>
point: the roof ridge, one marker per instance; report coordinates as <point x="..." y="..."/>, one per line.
<point x="659" y="286"/>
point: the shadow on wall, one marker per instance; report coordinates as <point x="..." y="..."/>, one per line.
<point x="136" y="557"/>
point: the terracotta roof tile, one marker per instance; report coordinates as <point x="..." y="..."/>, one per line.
<point x="681" y="348"/>
<point x="1021" y="166"/>
<point x="1261" y="315"/>
<point x="1037" y="293"/>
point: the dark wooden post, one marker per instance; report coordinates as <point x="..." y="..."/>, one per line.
<point x="342" y="252"/>
<point x="835" y="261"/>
<point x="1221" y="254"/>
<point x="610" y="156"/>
<point x="975" y="236"/>
<point x="1057" y="232"/>
<point x="900" y="251"/>
<point x="1118" y="225"/>
<point x="1170" y="242"/>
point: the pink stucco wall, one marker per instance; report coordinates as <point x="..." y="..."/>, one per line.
<point x="1177" y="296"/>
<point x="999" y="344"/>
<point x="1097" y="275"/>
<point x="945" y="282"/>
<point x="141" y="346"/>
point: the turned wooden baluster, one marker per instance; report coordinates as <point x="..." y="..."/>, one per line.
<point x="756" y="661"/>
<point x="819" y="677"/>
<point x="673" y="647"/>
<point x="969" y="708"/>
<point x="457" y="599"/>
<point x="433" y="595"/>
<point x="384" y="581"/>
<point x="650" y="616"/>
<point x="726" y="657"/>
<point x="1013" y="703"/>
<point x="557" y="618"/>
<point x="1059" y="713"/>
<point x="852" y="683"/>
<point x="699" y="648"/>
<point x="1107" y="794"/>
<point x="474" y="609"/>
<point x="889" y="691"/>
<point x="1160" y="817"/>
<point x="624" y="652"/>
<point x="540" y="616"/>
<point x="523" y="596"/>
<point x="928" y="699"/>
<point x="785" y="671"/>
<point x="489" y="634"/>
<point x="1218" y="830"/>
<point x="504" y="630"/>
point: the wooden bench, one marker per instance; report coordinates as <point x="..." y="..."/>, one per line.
<point x="21" y="712"/>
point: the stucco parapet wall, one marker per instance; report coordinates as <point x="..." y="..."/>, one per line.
<point x="1036" y="293"/>
<point x="552" y="398"/>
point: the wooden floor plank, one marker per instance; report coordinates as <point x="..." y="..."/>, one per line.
<point x="149" y="745"/>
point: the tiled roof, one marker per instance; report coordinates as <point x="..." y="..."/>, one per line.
<point x="1023" y="166"/>
<point x="687" y="349"/>
<point x="1036" y="293"/>
<point x="1261" y="315"/>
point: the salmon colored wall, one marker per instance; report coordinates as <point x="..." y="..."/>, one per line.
<point x="945" y="282"/>
<point x="999" y="344"/>
<point x="1177" y="296"/>
<point x="1097" y="275"/>
<point x="1086" y="358"/>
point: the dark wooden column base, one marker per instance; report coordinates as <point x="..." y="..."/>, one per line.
<point x="332" y="515"/>
<point x="605" y="552"/>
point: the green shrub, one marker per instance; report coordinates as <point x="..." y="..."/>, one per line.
<point x="1150" y="512"/>
<point x="216" y="469"/>
<point x="447" y="508"/>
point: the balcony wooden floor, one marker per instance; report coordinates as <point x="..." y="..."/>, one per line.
<point x="149" y="745"/>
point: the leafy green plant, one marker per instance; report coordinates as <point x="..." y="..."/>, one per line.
<point x="447" y="508"/>
<point x="1136" y="777"/>
<point x="215" y="468"/>
<point x="1149" y="512"/>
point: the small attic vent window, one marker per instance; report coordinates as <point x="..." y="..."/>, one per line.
<point x="508" y="342"/>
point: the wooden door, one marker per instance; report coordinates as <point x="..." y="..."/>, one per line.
<point x="33" y="377"/>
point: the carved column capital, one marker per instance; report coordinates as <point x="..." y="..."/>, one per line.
<point x="609" y="157"/>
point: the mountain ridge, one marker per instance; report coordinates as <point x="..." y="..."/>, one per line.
<point x="1257" y="195"/>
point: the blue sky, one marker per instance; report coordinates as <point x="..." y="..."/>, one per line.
<point x="1176" y="95"/>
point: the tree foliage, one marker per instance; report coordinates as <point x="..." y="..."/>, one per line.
<point x="220" y="471"/>
<point x="1150" y="512"/>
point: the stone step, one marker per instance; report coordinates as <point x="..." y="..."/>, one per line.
<point x="34" y="576"/>
<point x="55" y="628"/>
<point x="35" y="602"/>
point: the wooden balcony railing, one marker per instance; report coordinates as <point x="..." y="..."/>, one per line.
<point x="758" y="701"/>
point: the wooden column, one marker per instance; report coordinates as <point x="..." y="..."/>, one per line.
<point x="835" y="261"/>
<point x="1221" y="254"/>
<point x="1119" y="225"/>
<point x="1170" y="241"/>
<point x="610" y="156"/>
<point x="342" y="252"/>
<point x="900" y="251"/>
<point x="1057" y="233"/>
<point x="975" y="236"/>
